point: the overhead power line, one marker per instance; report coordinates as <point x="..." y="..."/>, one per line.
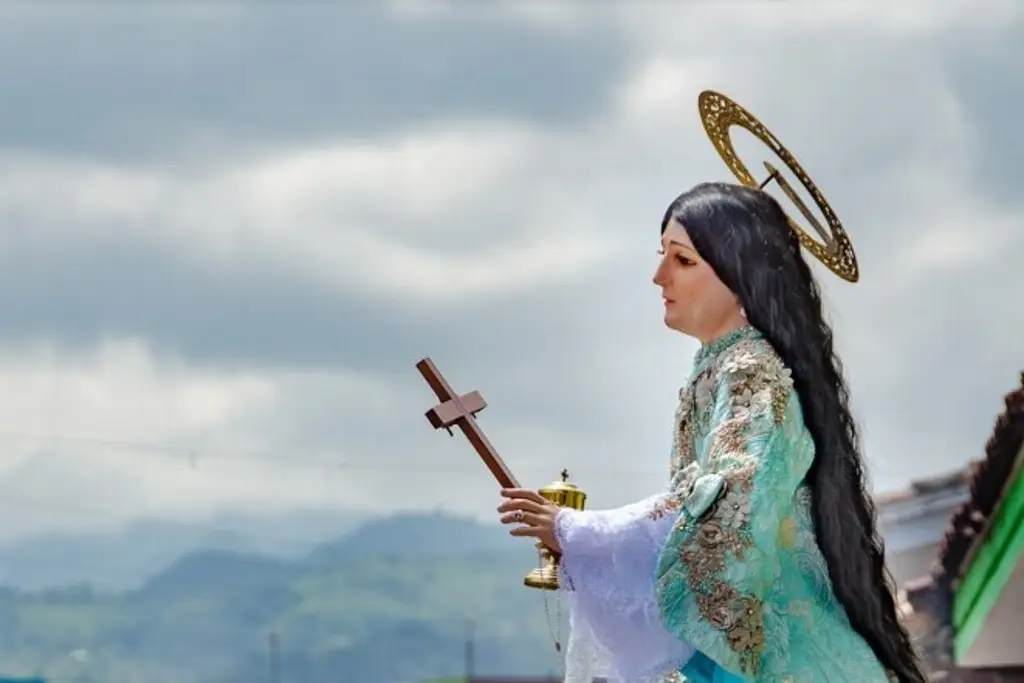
<point x="193" y="457"/>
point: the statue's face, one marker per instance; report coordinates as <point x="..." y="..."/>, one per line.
<point x="697" y="303"/>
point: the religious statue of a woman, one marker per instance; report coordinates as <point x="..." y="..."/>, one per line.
<point x="760" y="561"/>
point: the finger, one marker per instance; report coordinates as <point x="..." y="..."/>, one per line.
<point x="527" y="532"/>
<point x="519" y="517"/>
<point x="524" y="505"/>
<point x="524" y="494"/>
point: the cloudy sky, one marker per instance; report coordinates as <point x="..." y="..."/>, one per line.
<point x="229" y="230"/>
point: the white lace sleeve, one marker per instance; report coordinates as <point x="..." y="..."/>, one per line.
<point x="608" y="565"/>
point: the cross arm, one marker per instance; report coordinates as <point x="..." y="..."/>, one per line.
<point x="453" y="411"/>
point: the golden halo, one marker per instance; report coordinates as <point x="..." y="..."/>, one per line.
<point x="719" y="114"/>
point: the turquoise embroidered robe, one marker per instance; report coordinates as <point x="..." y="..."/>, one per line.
<point x="740" y="577"/>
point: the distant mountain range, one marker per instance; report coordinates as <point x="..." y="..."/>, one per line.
<point x="394" y="600"/>
<point x="122" y="560"/>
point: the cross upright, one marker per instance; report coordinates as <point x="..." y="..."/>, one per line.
<point x="460" y="411"/>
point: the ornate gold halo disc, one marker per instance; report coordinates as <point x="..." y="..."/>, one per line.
<point x="719" y="114"/>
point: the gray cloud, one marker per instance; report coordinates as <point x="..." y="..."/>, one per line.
<point x="576" y="366"/>
<point x="82" y="296"/>
<point x="985" y="76"/>
<point x="148" y="83"/>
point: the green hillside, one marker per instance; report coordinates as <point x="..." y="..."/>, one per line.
<point x="363" y="609"/>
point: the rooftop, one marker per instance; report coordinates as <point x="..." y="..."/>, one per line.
<point x="987" y="481"/>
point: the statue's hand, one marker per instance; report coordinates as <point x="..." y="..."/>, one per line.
<point x="534" y="513"/>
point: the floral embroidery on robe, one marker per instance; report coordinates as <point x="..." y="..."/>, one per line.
<point x="719" y="578"/>
<point x="740" y="576"/>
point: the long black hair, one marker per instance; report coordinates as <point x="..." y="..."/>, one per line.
<point x="743" y="235"/>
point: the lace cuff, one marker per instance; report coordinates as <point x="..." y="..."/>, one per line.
<point x="608" y="565"/>
<point x="602" y="532"/>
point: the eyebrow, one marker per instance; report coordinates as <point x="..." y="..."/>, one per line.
<point x="682" y="246"/>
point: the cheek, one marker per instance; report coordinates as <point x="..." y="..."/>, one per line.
<point x="695" y="290"/>
<point x="686" y="284"/>
<point x="719" y="296"/>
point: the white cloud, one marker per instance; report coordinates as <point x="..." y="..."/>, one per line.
<point x="740" y="29"/>
<point x="99" y="437"/>
<point x="488" y="209"/>
<point x="663" y="89"/>
<point x="119" y="388"/>
<point x="354" y="216"/>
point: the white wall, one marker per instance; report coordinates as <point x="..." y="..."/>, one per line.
<point x="913" y="525"/>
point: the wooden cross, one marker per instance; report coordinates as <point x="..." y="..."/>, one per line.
<point x="460" y="411"/>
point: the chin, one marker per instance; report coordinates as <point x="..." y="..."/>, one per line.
<point x="673" y="323"/>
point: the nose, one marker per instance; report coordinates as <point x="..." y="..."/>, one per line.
<point x="659" y="274"/>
